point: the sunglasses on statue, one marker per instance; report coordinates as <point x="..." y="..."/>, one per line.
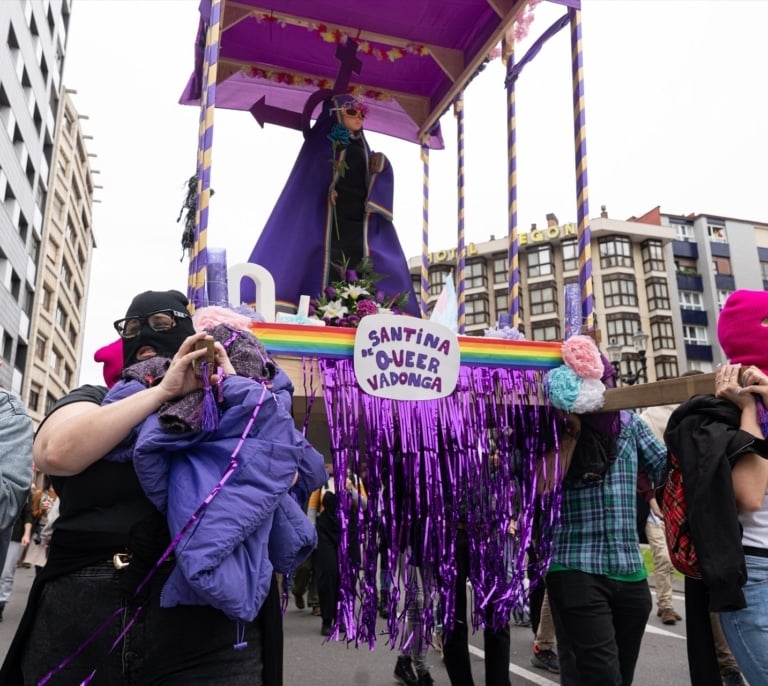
<point x="162" y="320"/>
<point x="352" y="112"/>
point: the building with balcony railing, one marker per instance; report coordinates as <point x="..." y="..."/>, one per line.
<point x="660" y="274"/>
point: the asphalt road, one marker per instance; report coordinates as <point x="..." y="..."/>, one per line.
<point x="311" y="660"/>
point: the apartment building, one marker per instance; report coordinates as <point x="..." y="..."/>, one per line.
<point x="663" y="275"/>
<point x="46" y="193"/>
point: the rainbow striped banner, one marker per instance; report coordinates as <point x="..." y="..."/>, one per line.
<point x="198" y="259"/>
<point x="461" y="250"/>
<point x="331" y="342"/>
<point x="425" y="230"/>
<point x="580" y="144"/>
<point x="513" y="267"/>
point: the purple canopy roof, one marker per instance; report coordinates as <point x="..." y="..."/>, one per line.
<point x="415" y="56"/>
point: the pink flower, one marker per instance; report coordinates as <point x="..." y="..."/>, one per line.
<point x="581" y="354"/>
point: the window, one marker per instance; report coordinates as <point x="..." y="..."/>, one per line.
<point x="684" y="232"/>
<point x="716" y="233"/>
<point x="33" y="402"/>
<point x="543" y="299"/>
<point x="67" y="376"/>
<point x="61" y="316"/>
<point x="50" y="401"/>
<point x="55" y="360"/>
<point x="47" y="298"/>
<point x="653" y="256"/>
<point x="691" y="300"/>
<point x="622" y="327"/>
<point x="545" y="331"/>
<point x="695" y="335"/>
<point x="437" y="280"/>
<point x="474" y="275"/>
<point x="476" y="311"/>
<point x="66" y="272"/>
<point x="501" y="269"/>
<point x="40" y="348"/>
<point x="570" y="255"/>
<point x="615" y="252"/>
<point x="539" y="261"/>
<point x="764" y="270"/>
<point x="620" y="291"/>
<point x="722" y="296"/>
<point x="666" y="367"/>
<point x="721" y="265"/>
<point x="657" y="292"/>
<point x="686" y="266"/>
<point x="7" y="348"/>
<point x="662" y="333"/>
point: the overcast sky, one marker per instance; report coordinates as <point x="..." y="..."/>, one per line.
<point x="676" y="109"/>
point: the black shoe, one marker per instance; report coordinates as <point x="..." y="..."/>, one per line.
<point x="546" y="659"/>
<point x="404" y="673"/>
<point x="426" y="679"/>
<point x="327" y="628"/>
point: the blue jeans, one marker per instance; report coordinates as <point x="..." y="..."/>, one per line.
<point x="747" y="629"/>
<point x="190" y="645"/>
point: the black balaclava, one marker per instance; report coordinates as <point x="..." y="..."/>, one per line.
<point x="166" y="343"/>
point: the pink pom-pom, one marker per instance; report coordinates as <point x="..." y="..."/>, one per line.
<point x="581" y="354"/>
<point x="206" y="318"/>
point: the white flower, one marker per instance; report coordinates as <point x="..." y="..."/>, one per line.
<point x="353" y="292"/>
<point x="384" y="310"/>
<point x="333" y="309"/>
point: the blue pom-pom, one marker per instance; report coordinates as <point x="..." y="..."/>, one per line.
<point x="562" y="385"/>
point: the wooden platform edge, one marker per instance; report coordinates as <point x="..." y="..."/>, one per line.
<point x="668" y="392"/>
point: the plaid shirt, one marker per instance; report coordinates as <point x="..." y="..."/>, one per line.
<point x="598" y="531"/>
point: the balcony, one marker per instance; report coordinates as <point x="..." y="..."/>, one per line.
<point x="685" y="249"/>
<point x="694" y="317"/>
<point x="702" y="353"/>
<point x="689" y="281"/>
<point x="725" y="282"/>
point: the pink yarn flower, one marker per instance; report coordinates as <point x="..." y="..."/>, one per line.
<point x="581" y="354"/>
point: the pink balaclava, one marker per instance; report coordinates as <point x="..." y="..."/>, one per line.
<point x="742" y="328"/>
<point x="111" y="356"/>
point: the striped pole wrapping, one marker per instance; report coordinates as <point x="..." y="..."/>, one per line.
<point x="198" y="257"/>
<point x="580" y="143"/>
<point x="513" y="267"/>
<point x="461" y="250"/>
<point x="425" y="230"/>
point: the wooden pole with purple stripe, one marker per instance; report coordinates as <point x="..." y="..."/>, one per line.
<point x="461" y="249"/>
<point x="198" y="258"/>
<point x="580" y="143"/>
<point x="513" y="267"/>
<point x="425" y="230"/>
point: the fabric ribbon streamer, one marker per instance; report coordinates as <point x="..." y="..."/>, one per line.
<point x="471" y="460"/>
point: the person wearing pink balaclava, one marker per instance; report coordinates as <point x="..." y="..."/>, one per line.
<point x="720" y="444"/>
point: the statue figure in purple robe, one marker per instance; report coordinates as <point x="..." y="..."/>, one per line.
<point x="336" y="207"/>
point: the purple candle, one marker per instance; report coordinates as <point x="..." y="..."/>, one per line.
<point x="216" y="273"/>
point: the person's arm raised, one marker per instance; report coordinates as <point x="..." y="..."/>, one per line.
<point x="79" y="434"/>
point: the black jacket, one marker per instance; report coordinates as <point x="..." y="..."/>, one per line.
<point x="703" y="433"/>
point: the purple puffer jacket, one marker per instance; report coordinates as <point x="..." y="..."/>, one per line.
<point x="252" y="525"/>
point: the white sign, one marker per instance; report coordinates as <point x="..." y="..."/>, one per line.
<point x="404" y="358"/>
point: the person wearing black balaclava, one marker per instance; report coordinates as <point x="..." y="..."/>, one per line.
<point x="109" y="537"/>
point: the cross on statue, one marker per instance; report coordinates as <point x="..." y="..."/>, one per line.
<point x="349" y="63"/>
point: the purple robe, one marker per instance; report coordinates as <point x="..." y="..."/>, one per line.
<point x="294" y="245"/>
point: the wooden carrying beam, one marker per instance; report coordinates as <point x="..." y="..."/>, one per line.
<point x="667" y="392"/>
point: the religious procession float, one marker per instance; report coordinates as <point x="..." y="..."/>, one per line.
<point x="447" y="431"/>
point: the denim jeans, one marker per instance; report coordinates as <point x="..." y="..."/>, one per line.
<point x="747" y="629"/>
<point x="190" y="645"/>
<point x="600" y="624"/>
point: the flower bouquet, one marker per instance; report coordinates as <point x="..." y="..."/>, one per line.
<point x="354" y="295"/>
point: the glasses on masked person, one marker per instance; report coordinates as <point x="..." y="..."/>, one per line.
<point x="162" y="320"/>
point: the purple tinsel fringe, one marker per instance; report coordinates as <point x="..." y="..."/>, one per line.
<point x="427" y="470"/>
